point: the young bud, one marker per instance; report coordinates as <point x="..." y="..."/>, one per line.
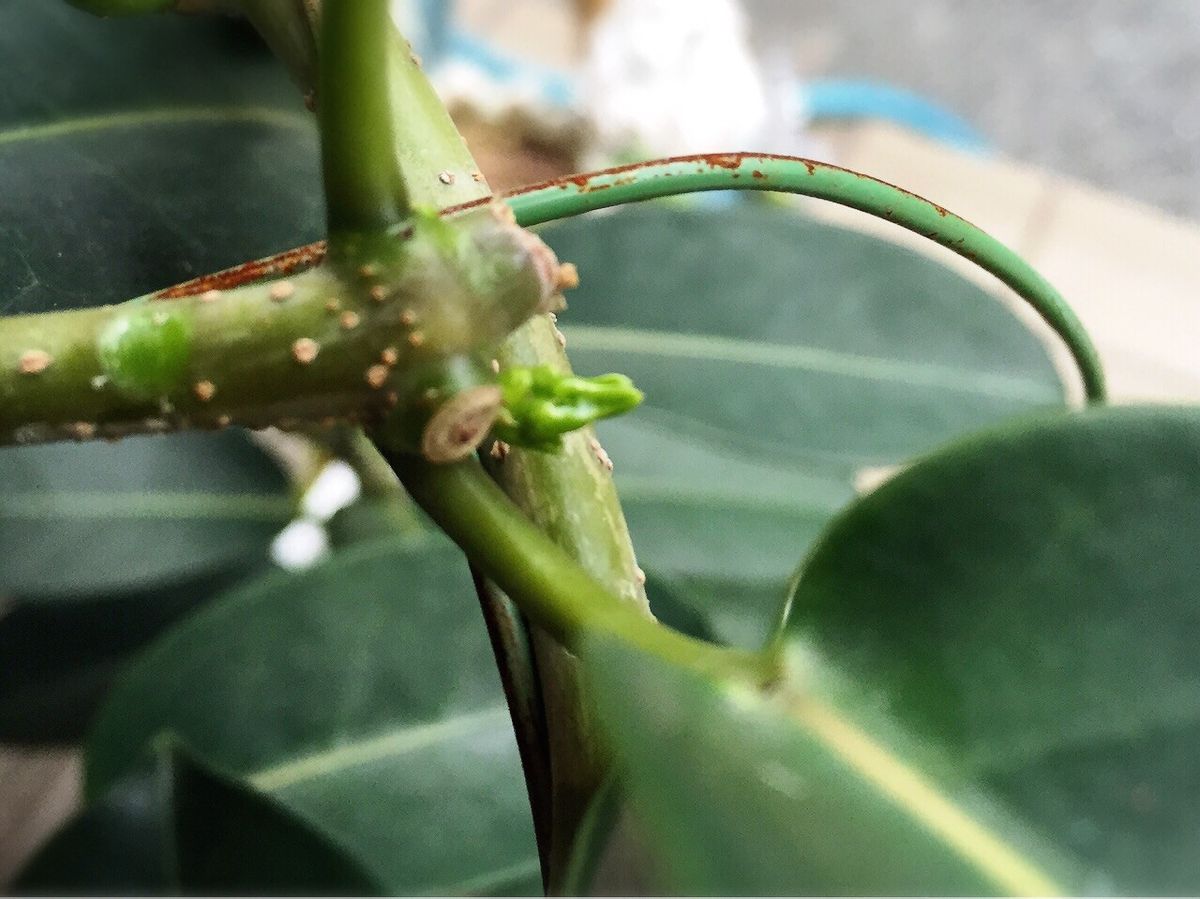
<point x="540" y="405"/>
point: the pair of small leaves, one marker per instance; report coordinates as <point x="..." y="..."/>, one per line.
<point x="541" y="404"/>
<point x="989" y="686"/>
<point x="360" y="699"/>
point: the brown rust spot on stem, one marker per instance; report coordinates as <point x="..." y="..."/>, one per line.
<point x="285" y="263"/>
<point x="311" y="255"/>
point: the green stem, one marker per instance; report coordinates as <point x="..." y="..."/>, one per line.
<point x="364" y="187"/>
<point x="563" y="758"/>
<point x="287" y="28"/>
<point x="548" y="488"/>
<point x="340" y="340"/>
<point x="546" y="583"/>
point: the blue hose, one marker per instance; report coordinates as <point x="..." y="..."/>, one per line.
<point x="436" y="16"/>
<point x="823" y="100"/>
<point x="554" y="87"/>
<point x="835" y="99"/>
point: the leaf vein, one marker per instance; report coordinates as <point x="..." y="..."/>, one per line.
<point x="158" y="116"/>
<point x="701" y="347"/>
<point x="400" y="741"/>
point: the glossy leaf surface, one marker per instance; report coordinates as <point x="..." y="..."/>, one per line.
<point x="1027" y="599"/>
<point x="138" y="153"/>
<point x="94" y="520"/>
<point x="362" y="697"/>
<point x="133" y="154"/>
<point x="804" y="792"/>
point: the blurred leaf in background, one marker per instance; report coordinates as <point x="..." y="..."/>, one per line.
<point x="359" y="698"/>
<point x="101" y="170"/>
<point x="779" y="357"/>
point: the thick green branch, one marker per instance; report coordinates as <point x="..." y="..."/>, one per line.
<point x="364" y="187"/>
<point x="390" y="325"/>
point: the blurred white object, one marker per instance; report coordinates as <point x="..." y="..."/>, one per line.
<point x="300" y="545"/>
<point x="668" y="77"/>
<point x="304" y="542"/>
<point x="336" y="487"/>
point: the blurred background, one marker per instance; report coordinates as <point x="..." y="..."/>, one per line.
<point x="1069" y="129"/>
<point x="1103" y="90"/>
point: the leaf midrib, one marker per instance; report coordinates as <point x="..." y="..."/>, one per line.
<point x="635" y="488"/>
<point x="263" y="115"/>
<point x="969" y="837"/>
<point x="708" y="347"/>
<point x="158" y="506"/>
<point x="392" y="743"/>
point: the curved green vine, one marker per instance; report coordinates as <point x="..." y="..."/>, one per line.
<point x="788" y="174"/>
<point x="548" y="585"/>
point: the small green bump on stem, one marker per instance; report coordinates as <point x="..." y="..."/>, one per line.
<point x="541" y="404"/>
<point x="145" y="351"/>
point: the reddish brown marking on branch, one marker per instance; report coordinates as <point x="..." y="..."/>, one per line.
<point x="285" y="263"/>
<point x="725" y="160"/>
<point x="311" y="255"/>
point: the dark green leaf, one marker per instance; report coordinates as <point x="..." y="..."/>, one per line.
<point x="138" y="153"/>
<point x="179" y="823"/>
<point x="61" y="657"/>
<point x="805" y="792"/>
<point x="1027" y="598"/>
<point x="94" y="520"/>
<point x="362" y="697"/>
<point x="676" y="611"/>
<point x="119" y="845"/>
<point x="778" y="357"/>
<point x="232" y="839"/>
